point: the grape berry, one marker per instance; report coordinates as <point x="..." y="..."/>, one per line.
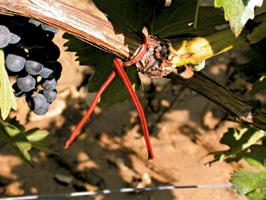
<point x="33" y="67"/>
<point x="26" y="83"/>
<point x="38" y="104"/>
<point x="50" y="95"/>
<point x="4" y="36"/>
<point x="15" y="63"/>
<point x="31" y="56"/>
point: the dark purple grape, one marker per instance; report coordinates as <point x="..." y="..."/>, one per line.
<point x="49" y="53"/>
<point x="15" y="63"/>
<point x="50" y="95"/>
<point x="48" y="35"/>
<point x="30" y="53"/>
<point x="17" y="92"/>
<point x="14" y="39"/>
<point x="34" y="22"/>
<point x="19" y="20"/>
<point x="38" y="104"/>
<point x="15" y="50"/>
<point x="29" y="36"/>
<point x="56" y="67"/>
<point x="46" y="27"/>
<point x="46" y="73"/>
<point x="33" y="67"/>
<point x="4" y="19"/>
<point x="26" y="83"/>
<point x="33" y="37"/>
<point x="49" y="84"/>
<point x="4" y="36"/>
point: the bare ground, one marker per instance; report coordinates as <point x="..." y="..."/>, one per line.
<point x="110" y="152"/>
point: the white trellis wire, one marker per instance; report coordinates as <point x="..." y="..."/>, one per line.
<point x="119" y="190"/>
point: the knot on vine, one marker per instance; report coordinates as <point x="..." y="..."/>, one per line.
<point x="154" y="62"/>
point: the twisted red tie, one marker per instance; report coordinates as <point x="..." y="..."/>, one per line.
<point x="119" y="66"/>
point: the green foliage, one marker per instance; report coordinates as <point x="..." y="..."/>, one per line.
<point x="256" y="55"/>
<point x="177" y="20"/>
<point x="259" y="85"/>
<point x="254" y="70"/>
<point x="251" y="184"/>
<point x="248" y="144"/>
<point x="102" y="61"/>
<point x="256" y="156"/>
<point x="238" y="12"/>
<point x="129" y="14"/>
<point x="238" y="142"/>
<point x="23" y="141"/>
<point x="39" y="139"/>
<point x="7" y="98"/>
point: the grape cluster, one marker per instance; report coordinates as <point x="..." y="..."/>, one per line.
<point x="31" y="56"/>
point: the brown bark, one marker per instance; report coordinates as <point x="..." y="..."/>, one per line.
<point x="104" y="35"/>
<point x="84" y="25"/>
<point x="237" y="107"/>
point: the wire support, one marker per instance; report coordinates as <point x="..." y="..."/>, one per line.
<point x="119" y="190"/>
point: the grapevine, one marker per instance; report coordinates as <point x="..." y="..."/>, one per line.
<point x="176" y="47"/>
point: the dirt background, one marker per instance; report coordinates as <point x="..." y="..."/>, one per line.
<point x="110" y="152"/>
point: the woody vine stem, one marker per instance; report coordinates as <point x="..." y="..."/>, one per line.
<point x="112" y="39"/>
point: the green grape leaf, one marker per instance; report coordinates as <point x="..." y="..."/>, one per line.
<point x="251" y="184"/>
<point x="7" y="98"/>
<point x="256" y="156"/>
<point x="14" y="135"/>
<point x="39" y="139"/>
<point x="259" y="85"/>
<point x="117" y="83"/>
<point x="254" y="71"/>
<point x="129" y="14"/>
<point x="23" y="141"/>
<point x="102" y="61"/>
<point x="238" y="12"/>
<point x="238" y="142"/>
<point x="178" y="19"/>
